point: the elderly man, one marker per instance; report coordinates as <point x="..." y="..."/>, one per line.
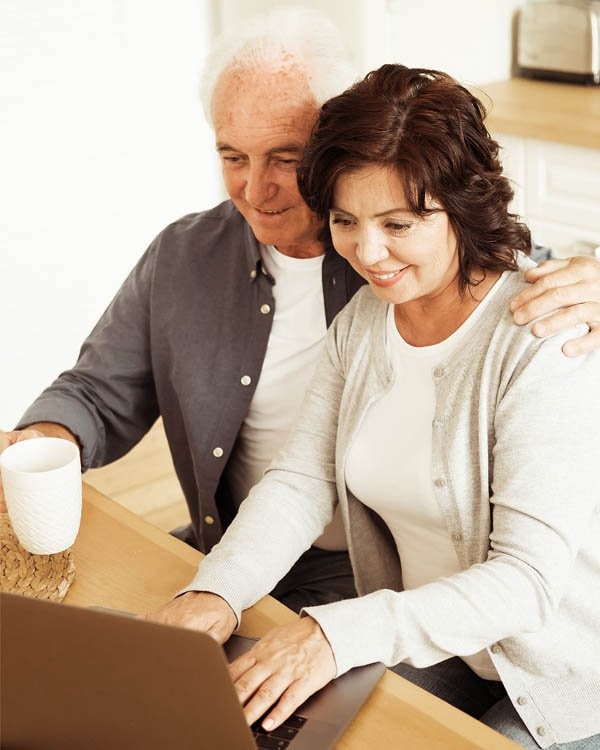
<point x="218" y="327"/>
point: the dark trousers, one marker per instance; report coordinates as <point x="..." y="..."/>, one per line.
<point x="318" y="577"/>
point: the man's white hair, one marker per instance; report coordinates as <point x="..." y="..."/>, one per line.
<point x="280" y="38"/>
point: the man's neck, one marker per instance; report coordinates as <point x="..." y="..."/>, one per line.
<point x="302" y="250"/>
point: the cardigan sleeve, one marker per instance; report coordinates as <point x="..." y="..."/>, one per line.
<point x="288" y="509"/>
<point x="544" y="497"/>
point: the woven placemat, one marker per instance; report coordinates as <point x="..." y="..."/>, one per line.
<point x="40" y="576"/>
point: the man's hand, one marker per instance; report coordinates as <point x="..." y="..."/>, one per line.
<point x="198" y="610"/>
<point x="568" y="291"/>
<point x="283" y="669"/>
<point x="8" y="438"/>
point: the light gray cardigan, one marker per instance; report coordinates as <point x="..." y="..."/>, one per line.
<point x="515" y="470"/>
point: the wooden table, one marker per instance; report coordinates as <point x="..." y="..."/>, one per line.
<point x="122" y="562"/>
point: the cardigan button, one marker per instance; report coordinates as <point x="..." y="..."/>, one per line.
<point x="440" y="482"/>
<point x="438" y="372"/>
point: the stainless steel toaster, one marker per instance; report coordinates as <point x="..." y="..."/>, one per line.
<point x="559" y="40"/>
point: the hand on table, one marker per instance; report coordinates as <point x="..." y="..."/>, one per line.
<point x="8" y="438"/>
<point x="198" y="610"/>
<point x="570" y="291"/>
<point x="283" y="669"/>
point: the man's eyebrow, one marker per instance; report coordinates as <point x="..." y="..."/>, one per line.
<point x="285" y="148"/>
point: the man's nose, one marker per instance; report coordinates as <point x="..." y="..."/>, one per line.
<point x="260" y="186"/>
<point x="371" y="246"/>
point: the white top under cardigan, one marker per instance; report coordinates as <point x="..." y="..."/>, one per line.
<point x="515" y="435"/>
<point x="388" y="466"/>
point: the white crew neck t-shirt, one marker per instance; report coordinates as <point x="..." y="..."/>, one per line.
<point x="294" y="346"/>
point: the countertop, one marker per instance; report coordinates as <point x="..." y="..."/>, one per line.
<point x="566" y="113"/>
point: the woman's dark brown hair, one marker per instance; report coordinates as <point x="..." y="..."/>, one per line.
<point x="430" y="129"/>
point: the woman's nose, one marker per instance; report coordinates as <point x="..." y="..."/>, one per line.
<point x="371" y="247"/>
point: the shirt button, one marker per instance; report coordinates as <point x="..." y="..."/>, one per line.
<point x="496" y="649"/>
<point x="253" y="273"/>
<point x="265" y="309"/>
<point x="541" y="731"/>
<point x="217" y="452"/>
<point x="440" y="482"/>
<point x="209" y="520"/>
<point x="438" y="372"/>
<point x="522" y="700"/>
<point x="245" y="380"/>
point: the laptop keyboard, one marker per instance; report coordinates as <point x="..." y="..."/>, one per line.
<point x="280" y="738"/>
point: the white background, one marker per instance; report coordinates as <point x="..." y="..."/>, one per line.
<point x="103" y="142"/>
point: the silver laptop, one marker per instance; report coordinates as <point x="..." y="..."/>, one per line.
<point x="74" y="678"/>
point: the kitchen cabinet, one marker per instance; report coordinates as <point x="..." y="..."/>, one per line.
<point x="557" y="191"/>
<point x="550" y="138"/>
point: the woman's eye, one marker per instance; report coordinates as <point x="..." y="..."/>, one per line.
<point x="398" y="227"/>
<point x="341" y="221"/>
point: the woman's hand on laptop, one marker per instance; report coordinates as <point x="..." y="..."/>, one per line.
<point x="198" y="610"/>
<point x="283" y="669"/>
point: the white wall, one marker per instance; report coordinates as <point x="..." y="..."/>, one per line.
<point x="103" y="143"/>
<point x="470" y="39"/>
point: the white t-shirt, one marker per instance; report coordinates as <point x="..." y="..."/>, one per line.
<point x="389" y="463"/>
<point x="295" y="343"/>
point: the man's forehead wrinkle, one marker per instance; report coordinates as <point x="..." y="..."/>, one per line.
<point x="278" y="64"/>
<point x="285" y="82"/>
<point x="256" y="110"/>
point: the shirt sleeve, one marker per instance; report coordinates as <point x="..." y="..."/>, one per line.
<point x="108" y="398"/>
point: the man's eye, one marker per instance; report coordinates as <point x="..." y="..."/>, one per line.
<point x="231" y="159"/>
<point x="288" y="163"/>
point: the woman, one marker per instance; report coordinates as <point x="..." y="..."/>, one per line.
<point x="460" y="448"/>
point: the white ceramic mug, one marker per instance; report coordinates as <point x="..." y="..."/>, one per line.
<point x="42" y="488"/>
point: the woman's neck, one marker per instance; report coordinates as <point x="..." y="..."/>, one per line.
<point x="430" y="320"/>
